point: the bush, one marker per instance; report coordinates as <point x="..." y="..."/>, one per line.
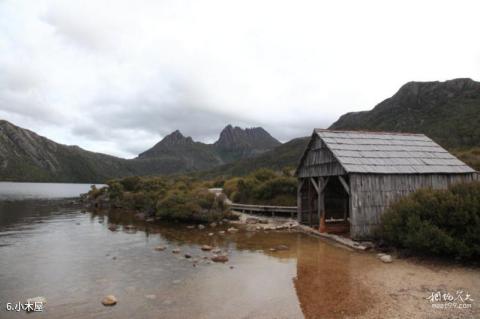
<point x="436" y="222"/>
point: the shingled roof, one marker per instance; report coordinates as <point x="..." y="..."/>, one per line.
<point x="390" y="153"/>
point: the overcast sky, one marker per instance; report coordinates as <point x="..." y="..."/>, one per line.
<point x="116" y="76"/>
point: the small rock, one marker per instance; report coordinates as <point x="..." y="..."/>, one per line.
<point x="386" y="259"/>
<point x="100" y="221"/>
<point x="251" y="220"/>
<point x="150" y="220"/>
<point x="176" y="250"/>
<point x="112" y="227"/>
<point x="206" y="247"/>
<point x="222" y="232"/>
<point x="151" y="297"/>
<point x="232" y="230"/>
<point x="219" y="258"/>
<point x="231" y="267"/>
<point x="272" y="250"/>
<point x="160" y="248"/>
<point x="217" y="251"/>
<point x="188" y="256"/>
<point x="281" y="247"/>
<point x="114" y="258"/>
<point x="201" y="226"/>
<point x="263" y="221"/>
<point x="177" y="281"/>
<point x="213" y="225"/>
<point x="129" y="227"/>
<point x="211" y="234"/>
<point x="77" y="224"/>
<point x="191" y="227"/>
<point x="109" y="300"/>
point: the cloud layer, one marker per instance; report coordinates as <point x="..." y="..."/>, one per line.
<point x="116" y="76"/>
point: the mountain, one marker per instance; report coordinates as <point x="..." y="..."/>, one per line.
<point x="285" y="155"/>
<point x="181" y="152"/>
<point x="27" y="156"/>
<point x="448" y="112"/>
<point x="235" y="143"/>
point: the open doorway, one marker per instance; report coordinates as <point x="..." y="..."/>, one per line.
<point x="337" y="207"/>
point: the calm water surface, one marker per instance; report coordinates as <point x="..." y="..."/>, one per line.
<point x="75" y="258"/>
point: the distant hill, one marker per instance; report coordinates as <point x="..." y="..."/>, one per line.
<point x="233" y="144"/>
<point x="448" y="112"/>
<point x="285" y="155"/>
<point x="27" y="156"/>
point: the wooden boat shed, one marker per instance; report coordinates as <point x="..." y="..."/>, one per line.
<point x="348" y="178"/>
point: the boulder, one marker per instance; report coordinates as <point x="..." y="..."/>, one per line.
<point x="109" y="300"/>
<point x="219" y="258"/>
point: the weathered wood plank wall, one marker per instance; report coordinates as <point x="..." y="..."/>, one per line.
<point x="371" y="194"/>
<point x="319" y="161"/>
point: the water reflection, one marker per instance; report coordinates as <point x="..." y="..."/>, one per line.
<point x="74" y="259"/>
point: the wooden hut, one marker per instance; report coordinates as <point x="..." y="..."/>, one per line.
<point x="348" y="178"/>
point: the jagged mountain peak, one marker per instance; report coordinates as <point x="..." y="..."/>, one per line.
<point x="236" y="137"/>
<point x="176" y="137"/>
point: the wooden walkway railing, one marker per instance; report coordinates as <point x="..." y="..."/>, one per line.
<point x="265" y="209"/>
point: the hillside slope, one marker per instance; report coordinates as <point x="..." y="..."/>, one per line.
<point x="448" y="112"/>
<point x="27" y="156"/>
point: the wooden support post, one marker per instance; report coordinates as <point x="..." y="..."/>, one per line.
<point x="321" y="203"/>
<point x="312" y="180"/>
<point x="299" y="200"/>
<point x="345" y="184"/>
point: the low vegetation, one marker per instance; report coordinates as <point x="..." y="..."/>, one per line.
<point x="180" y="199"/>
<point x="263" y="186"/>
<point x="436" y="222"/>
<point x="470" y="156"/>
<point x="184" y="198"/>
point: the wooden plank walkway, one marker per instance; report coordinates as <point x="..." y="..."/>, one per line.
<point x="266" y="209"/>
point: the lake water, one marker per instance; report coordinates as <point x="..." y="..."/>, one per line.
<point x="75" y="258"/>
<point x="20" y="191"/>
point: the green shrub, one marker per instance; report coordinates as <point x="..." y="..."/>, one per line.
<point x="437" y="222"/>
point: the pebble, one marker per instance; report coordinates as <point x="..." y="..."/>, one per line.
<point x="160" y="248"/>
<point x="109" y="300"/>
<point x="201" y="226"/>
<point x="176" y="250"/>
<point x="151" y="297"/>
<point x="206" y="247"/>
<point x="386" y="258"/>
<point x="219" y="258"/>
<point x="188" y="256"/>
